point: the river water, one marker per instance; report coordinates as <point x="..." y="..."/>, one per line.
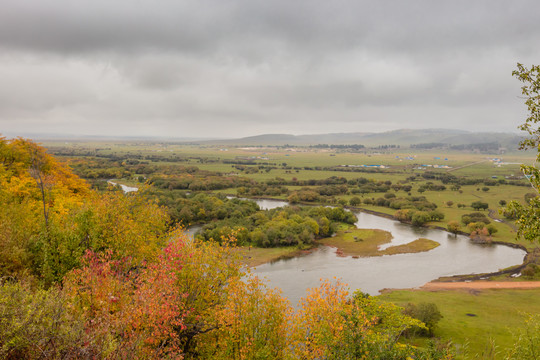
<point x="456" y="255"/>
<point x="126" y="189"/>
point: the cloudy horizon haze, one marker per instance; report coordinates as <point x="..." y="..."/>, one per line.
<point x="236" y="68"/>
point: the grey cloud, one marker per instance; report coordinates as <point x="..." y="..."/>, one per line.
<point x="69" y="26"/>
<point x="241" y="67"/>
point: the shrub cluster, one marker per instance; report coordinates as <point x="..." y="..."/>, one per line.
<point x="279" y="227"/>
<point x="411" y="202"/>
<point x="418" y="218"/>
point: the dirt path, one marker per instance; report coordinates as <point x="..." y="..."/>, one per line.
<point x="492" y="213"/>
<point x="479" y="285"/>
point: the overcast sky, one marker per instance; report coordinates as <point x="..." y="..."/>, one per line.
<point x="232" y="68"/>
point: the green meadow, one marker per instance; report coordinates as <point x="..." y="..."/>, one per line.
<point x="481" y="324"/>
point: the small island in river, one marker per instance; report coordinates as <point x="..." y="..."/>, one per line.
<point x="349" y="242"/>
<point x="366" y="242"/>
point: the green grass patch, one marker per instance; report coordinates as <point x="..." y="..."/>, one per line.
<point x="418" y="245"/>
<point x="359" y="242"/>
<point x="254" y="256"/>
<point x="474" y="319"/>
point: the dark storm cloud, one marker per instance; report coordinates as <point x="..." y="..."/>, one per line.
<point x="244" y="67"/>
<point x="198" y="26"/>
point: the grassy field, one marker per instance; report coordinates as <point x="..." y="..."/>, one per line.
<point x="474" y="320"/>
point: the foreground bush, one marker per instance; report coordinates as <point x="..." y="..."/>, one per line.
<point x="527" y="345"/>
<point x="427" y="313"/>
<point x="38" y="324"/>
<point x="194" y="302"/>
<point x="330" y="325"/>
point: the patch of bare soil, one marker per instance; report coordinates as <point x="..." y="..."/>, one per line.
<point x="479" y="285"/>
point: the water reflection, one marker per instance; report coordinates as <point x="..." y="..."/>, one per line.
<point x="265" y="204"/>
<point x="126" y="189"/>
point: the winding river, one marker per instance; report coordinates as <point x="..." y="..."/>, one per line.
<point x="456" y="255"/>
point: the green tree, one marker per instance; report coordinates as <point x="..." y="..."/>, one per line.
<point x="453" y="227"/>
<point x="428" y="313"/>
<point x="528" y="215"/>
<point x="479" y="205"/>
<point x="436" y="215"/>
<point x="491" y="229"/>
<point x="293" y="198"/>
<point x="404" y="215"/>
<point x="420" y="218"/>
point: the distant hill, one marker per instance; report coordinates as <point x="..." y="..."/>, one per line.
<point x="423" y="138"/>
<point x="284" y="139"/>
<point x="404" y="138"/>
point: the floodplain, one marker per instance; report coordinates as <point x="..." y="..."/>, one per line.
<point x="453" y="181"/>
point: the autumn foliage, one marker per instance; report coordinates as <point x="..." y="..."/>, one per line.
<point x="87" y="275"/>
<point x="131" y="311"/>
